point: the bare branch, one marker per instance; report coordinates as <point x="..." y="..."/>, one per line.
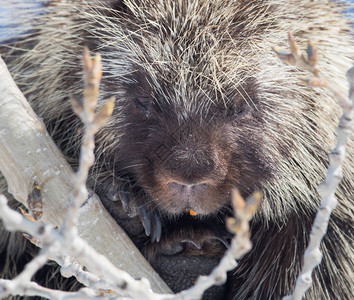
<point x="328" y="187"/>
<point x="240" y="245"/>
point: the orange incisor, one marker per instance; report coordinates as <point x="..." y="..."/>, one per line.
<point x="192" y="212"/>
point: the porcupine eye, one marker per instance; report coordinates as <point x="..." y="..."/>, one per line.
<point x="143" y="104"/>
<point x="238" y="110"/>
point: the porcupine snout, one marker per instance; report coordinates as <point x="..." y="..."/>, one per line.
<point x="189" y="175"/>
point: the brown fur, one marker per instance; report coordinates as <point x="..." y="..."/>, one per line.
<point x="203" y="105"/>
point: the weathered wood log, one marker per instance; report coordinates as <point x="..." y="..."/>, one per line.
<point x="28" y="154"/>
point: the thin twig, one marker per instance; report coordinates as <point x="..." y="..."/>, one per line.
<point x="327" y="188"/>
<point x="240" y="245"/>
<point x="92" y="76"/>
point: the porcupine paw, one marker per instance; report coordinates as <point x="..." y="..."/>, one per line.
<point x="132" y="215"/>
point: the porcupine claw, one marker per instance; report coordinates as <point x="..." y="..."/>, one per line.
<point x="151" y="221"/>
<point x="157" y="228"/>
<point x="145" y="219"/>
<point x="152" y="224"/>
<point x="224" y="241"/>
<point x="124" y="198"/>
<point x="197" y="245"/>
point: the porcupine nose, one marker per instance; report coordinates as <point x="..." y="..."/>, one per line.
<point x="190" y="165"/>
<point x="188" y="195"/>
<point x="190" y="173"/>
<point x="187" y="189"/>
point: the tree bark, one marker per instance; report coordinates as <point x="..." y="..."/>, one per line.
<point x="28" y="154"/>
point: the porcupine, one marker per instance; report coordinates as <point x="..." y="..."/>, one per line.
<point x="203" y="106"/>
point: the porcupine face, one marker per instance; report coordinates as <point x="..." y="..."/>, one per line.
<point x="183" y="148"/>
<point x="192" y="118"/>
<point x="186" y="156"/>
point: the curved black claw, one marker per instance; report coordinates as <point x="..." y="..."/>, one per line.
<point x="124" y="198"/>
<point x="157" y="228"/>
<point x="152" y="223"/>
<point x="223" y="240"/>
<point x="195" y="244"/>
<point x="145" y="219"/>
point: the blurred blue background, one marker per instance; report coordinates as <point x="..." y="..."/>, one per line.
<point x="8" y="12"/>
